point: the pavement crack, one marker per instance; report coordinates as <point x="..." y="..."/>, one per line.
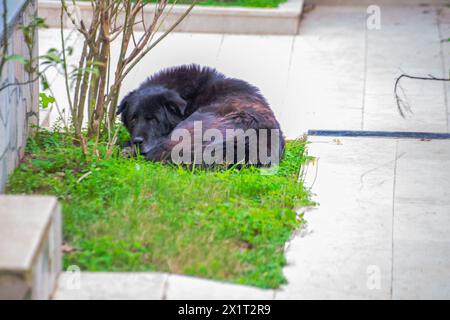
<point x="361" y="179"/>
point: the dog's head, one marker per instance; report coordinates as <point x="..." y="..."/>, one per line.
<point x="150" y="114"/>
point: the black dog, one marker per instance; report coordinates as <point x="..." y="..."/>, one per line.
<point x="177" y="98"/>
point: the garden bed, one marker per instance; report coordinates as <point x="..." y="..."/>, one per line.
<point x="237" y="3"/>
<point x="133" y="215"/>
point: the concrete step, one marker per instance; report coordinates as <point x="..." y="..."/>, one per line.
<point x="30" y="246"/>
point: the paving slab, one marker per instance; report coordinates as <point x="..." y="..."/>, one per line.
<point x="326" y="76"/>
<point x="444" y="34"/>
<point x="423" y="172"/>
<point x="349" y="235"/>
<point x="421" y="269"/>
<point x="428" y="112"/>
<point x="390" y="53"/>
<point x="110" y="286"/>
<point x="244" y="57"/>
<point x="184" y="287"/>
<point x="421" y="263"/>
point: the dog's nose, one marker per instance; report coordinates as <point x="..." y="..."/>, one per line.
<point x="138" y="140"/>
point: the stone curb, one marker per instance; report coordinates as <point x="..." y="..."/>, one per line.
<point x="151" y="286"/>
<point x="30" y="246"/>
<point x="283" y="20"/>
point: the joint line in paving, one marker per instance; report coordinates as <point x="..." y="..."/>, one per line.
<point x="393" y="220"/>
<point x="366" y="51"/>
<point x="380" y="134"/>
<point x="440" y="35"/>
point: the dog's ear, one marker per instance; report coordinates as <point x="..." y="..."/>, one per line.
<point x="121" y="107"/>
<point x="124" y="103"/>
<point x="173" y="100"/>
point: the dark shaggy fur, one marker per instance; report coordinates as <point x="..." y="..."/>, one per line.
<point x="176" y="97"/>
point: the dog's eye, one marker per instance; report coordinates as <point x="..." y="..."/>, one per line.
<point x="149" y="118"/>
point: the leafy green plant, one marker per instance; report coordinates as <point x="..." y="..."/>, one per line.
<point x="45" y="100"/>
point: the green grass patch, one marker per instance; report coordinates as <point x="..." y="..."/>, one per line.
<point x="230" y="3"/>
<point x="135" y="215"/>
<point x="236" y="3"/>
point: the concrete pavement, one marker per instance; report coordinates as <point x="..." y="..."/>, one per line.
<point x="381" y="228"/>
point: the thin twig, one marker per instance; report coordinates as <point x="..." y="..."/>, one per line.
<point x="24" y="82"/>
<point x="400" y="103"/>
<point x="59" y="110"/>
<point x="143" y="53"/>
<point x="66" y="77"/>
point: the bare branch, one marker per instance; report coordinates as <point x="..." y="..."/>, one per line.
<point x="66" y="78"/>
<point x="143" y="53"/>
<point x="401" y="104"/>
<point x="22" y="83"/>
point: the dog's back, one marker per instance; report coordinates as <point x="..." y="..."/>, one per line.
<point x="218" y="103"/>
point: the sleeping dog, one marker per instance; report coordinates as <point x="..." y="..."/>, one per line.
<point x="193" y="114"/>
